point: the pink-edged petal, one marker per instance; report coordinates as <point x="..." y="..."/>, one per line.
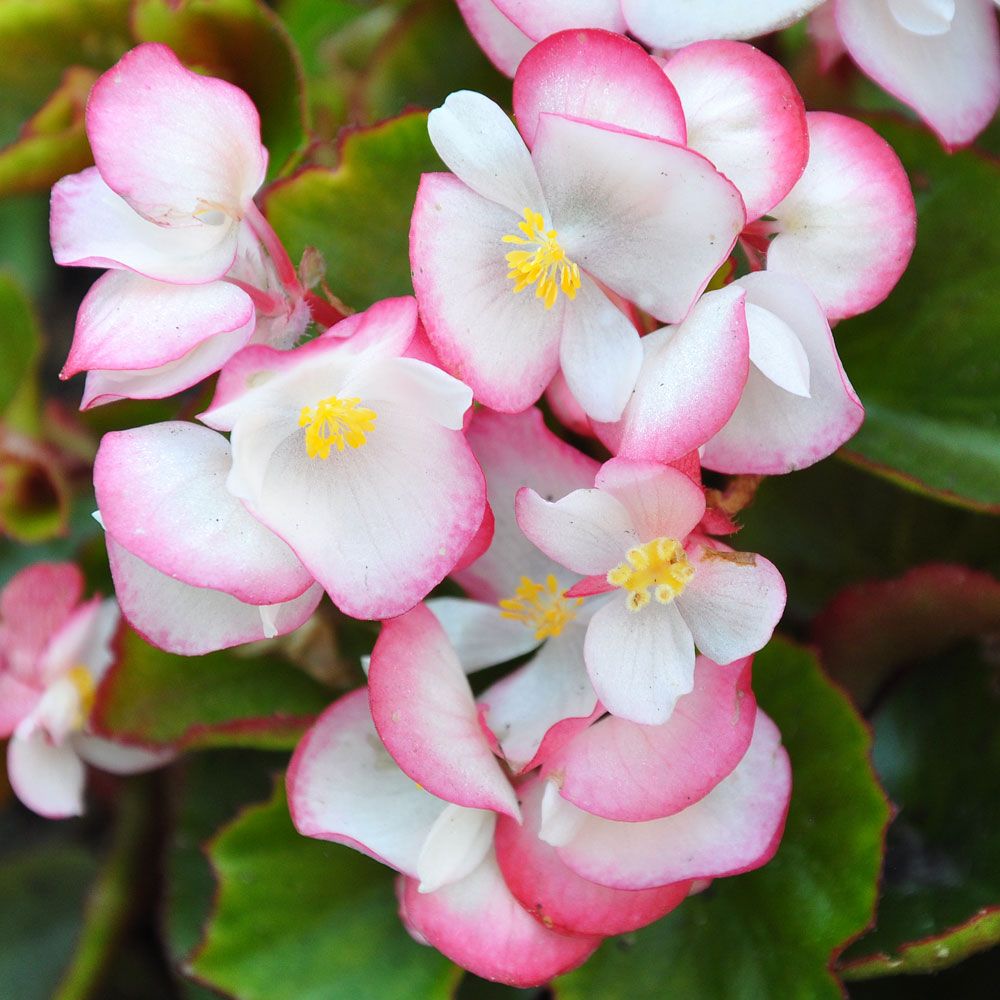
<point x="478" y="924"/>
<point x="565" y="407"/>
<point x="650" y="219"/>
<point x="504" y="345"/>
<point x="732" y="603"/>
<point x="690" y="382"/>
<point x="502" y="41"/>
<point x="597" y="76"/>
<point x="733" y="829"/>
<point x="195" y="620"/>
<point x="91" y="226"/>
<point x="950" y="78"/>
<point x="455" y="846"/>
<point x="343" y="786"/>
<point x="17" y="699"/>
<point x="539" y="20"/>
<point x="847" y="228"/>
<point x="776" y="352"/>
<point x="379" y="526"/>
<point x="479" y="634"/>
<point x="625" y="771"/>
<point x="33" y="606"/>
<point x="773" y="431"/>
<point x="680" y="22"/>
<point x="172" y="141"/>
<point x="661" y="500"/>
<point x="162" y="495"/>
<point x="552" y="686"/>
<point x="587" y="531"/>
<point x="745" y="114"/>
<point x="825" y="36"/>
<point x="481" y="146"/>
<point x="86" y="640"/>
<point x="518" y="450"/>
<point x="427" y="718"/>
<point x="556" y="895"/>
<point x="600" y="353"/>
<point x="480" y="542"/>
<point x="47" y="778"/>
<point x="117" y="758"/>
<point x="640" y="662"/>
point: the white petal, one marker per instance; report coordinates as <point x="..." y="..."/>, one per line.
<point x="482" y="637"/>
<point x="924" y="17"/>
<point x="117" y="758"/>
<point x="457" y="842"/>
<point x="776" y="351"/>
<point x="47" y="778"/>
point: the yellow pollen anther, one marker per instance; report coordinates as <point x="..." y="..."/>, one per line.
<point x="546" y="265"/>
<point x="540" y="606"/>
<point x="661" y="565"/>
<point x="335" y="423"/>
<point x="83" y="680"/>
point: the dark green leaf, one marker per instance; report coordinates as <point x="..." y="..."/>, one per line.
<point x="772" y="933"/>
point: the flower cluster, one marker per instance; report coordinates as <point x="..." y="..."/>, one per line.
<point x="657" y="247"/>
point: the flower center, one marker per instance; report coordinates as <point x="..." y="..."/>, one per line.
<point x="661" y="565"/>
<point x="83" y="682"/>
<point x="545" y="265"/>
<point x="335" y="423"/>
<point x="540" y="606"/>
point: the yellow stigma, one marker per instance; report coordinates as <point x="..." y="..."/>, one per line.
<point x="540" y="606"/>
<point x="660" y="565"/>
<point x="335" y="423"/>
<point x="546" y="265"/>
<point x="83" y="680"/>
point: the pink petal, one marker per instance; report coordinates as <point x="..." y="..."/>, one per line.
<point x="847" y="228"/>
<point x="172" y="141"/>
<point x="539" y="20"/>
<point x="773" y="431"/>
<point x="733" y="829"/>
<point x="86" y="640"/>
<point x="518" y="450"/>
<point x="426" y="716"/>
<point x="598" y="76"/>
<point x="951" y="79"/>
<point x="565" y="407"/>
<point x="189" y="620"/>
<point x="502" y="41"/>
<point x="672" y="25"/>
<point x="661" y="500"/>
<point x="47" y="778"/>
<point x="745" y="114"/>
<point x="162" y="495"/>
<point x="505" y="346"/>
<point x="343" y="786"/>
<point x="558" y="897"/>
<point x="17" y="699"/>
<point x="651" y="220"/>
<point x="689" y="384"/>
<point x="625" y="771"/>
<point x="478" y="924"/>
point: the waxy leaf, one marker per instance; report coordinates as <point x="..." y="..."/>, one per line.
<point x="358" y="216"/>
<point x="925" y="362"/>
<point x="223" y="699"/>
<point x="773" y="932"/>
<point x="300" y="919"/>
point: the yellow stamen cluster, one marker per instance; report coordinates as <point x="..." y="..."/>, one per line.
<point x="83" y="680"/>
<point x="540" y="606"/>
<point x="545" y="266"/>
<point x="335" y="423"/>
<point x="661" y="565"/>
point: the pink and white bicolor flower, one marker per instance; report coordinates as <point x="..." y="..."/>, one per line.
<point x="635" y="532"/>
<point x="511" y="253"/>
<point x="169" y="209"/>
<point x="352" y="453"/>
<point x="54" y="651"/>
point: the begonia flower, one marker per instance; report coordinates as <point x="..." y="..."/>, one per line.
<point x="169" y="208"/>
<point x="509" y="254"/>
<point x="54" y="650"/>
<point x="635" y="532"/>
<point x="353" y="455"/>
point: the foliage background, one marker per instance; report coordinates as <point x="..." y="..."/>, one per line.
<point x="191" y="881"/>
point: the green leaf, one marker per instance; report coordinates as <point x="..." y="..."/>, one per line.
<point x="937" y="749"/>
<point x="358" y="216"/>
<point x="20" y="341"/>
<point x="925" y="362"/>
<point x="243" y="42"/>
<point x="222" y="699"/>
<point x="773" y="932"/>
<point x="300" y="919"/>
